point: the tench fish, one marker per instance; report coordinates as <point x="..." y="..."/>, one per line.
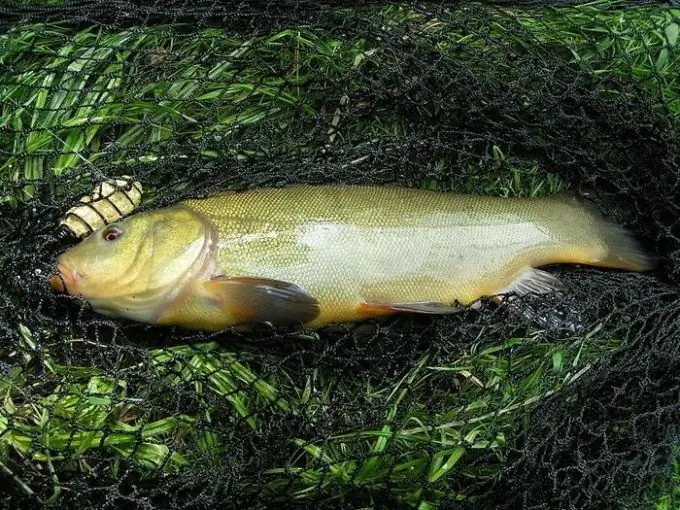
<point x="315" y="255"/>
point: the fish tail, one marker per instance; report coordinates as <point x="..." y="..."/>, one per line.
<point x="596" y="240"/>
<point x="621" y="250"/>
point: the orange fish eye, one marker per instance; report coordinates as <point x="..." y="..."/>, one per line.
<point x="112" y="233"/>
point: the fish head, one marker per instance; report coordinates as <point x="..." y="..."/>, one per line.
<point x="134" y="267"/>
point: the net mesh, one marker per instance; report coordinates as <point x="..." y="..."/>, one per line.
<point x="559" y="402"/>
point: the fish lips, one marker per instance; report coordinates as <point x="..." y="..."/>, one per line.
<point x="64" y="280"/>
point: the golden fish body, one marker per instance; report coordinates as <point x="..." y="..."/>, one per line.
<point x="325" y="254"/>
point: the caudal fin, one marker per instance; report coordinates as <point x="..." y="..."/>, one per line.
<point x="623" y="251"/>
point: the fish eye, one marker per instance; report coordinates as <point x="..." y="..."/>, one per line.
<point x="111" y="233"/>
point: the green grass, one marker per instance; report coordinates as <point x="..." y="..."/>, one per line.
<point x="669" y="489"/>
<point x="596" y="37"/>
<point x="418" y="449"/>
<point x="73" y="94"/>
<point x="79" y="92"/>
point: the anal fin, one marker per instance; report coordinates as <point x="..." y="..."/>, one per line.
<point x="424" y="307"/>
<point x="533" y="281"/>
<point x="252" y="300"/>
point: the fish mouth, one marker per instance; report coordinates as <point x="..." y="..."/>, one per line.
<point x="64" y="279"/>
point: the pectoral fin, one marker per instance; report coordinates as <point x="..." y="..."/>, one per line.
<point x="262" y="300"/>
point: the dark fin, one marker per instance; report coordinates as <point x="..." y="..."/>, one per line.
<point x="428" y="307"/>
<point x="262" y="300"/>
<point x="534" y="281"/>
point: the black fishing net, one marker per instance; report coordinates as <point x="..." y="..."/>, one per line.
<point x="564" y="401"/>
